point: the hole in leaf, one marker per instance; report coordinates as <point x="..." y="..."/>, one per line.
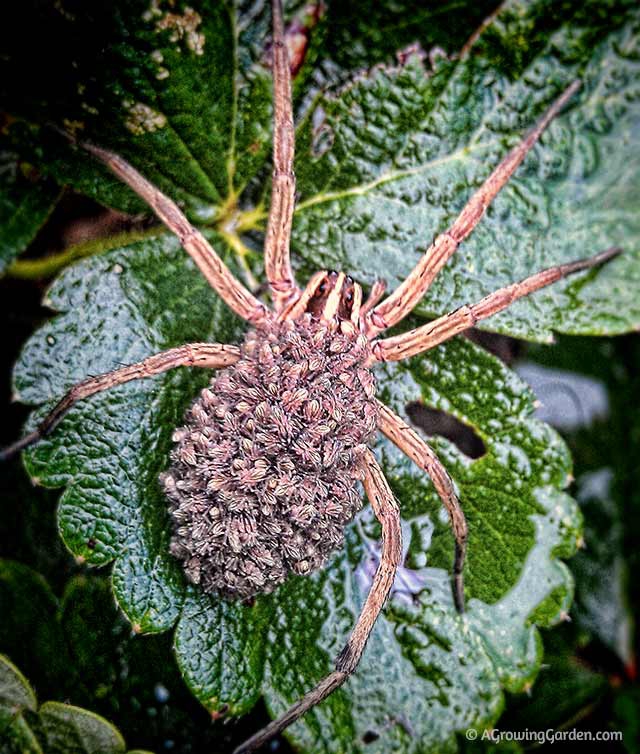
<point x="505" y="348"/>
<point x="370" y="736"/>
<point x="435" y="422"/>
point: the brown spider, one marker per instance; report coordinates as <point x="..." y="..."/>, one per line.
<point x="297" y="401"/>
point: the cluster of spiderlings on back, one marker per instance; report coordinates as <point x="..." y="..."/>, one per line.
<point x="264" y="474"/>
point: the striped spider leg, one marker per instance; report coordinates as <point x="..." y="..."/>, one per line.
<point x="386" y="511"/>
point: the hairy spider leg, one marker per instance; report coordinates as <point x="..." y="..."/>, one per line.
<point x="387" y="512"/>
<point x="217" y="274"/>
<point x="433" y="333"/>
<point x="206" y="355"/>
<point x="404" y="298"/>
<point x="283" y="187"/>
<point x="413" y="446"/>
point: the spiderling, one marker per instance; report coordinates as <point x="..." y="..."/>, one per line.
<point x="264" y="474"/>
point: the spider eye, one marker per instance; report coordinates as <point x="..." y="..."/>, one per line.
<point x="321" y="289"/>
<point x="349" y="297"/>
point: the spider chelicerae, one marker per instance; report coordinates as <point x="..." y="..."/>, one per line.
<point x="264" y="474"/>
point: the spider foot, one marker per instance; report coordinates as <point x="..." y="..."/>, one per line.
<point x="458" y="576"/>
<point x="6" y="454"/>
<point x="458" y="593"/>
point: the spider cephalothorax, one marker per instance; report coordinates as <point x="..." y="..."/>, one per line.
<point x="264" y="474"/>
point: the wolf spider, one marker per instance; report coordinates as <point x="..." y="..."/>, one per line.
<point x="328" y="316"/>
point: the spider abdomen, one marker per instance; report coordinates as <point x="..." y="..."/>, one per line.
<point x="264" y="474"/>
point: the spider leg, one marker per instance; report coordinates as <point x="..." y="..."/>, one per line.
<point x="386" y="510"/>
<point x="412" y="445"/>
<point x="283" y="187"/>
<point x="396" y="306"/>
<point x="433" y="333"/>
<point x="207" y="355"/>
<point x="217" y="274"/>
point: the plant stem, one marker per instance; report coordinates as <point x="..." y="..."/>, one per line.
<point x="242" y="252"/>
<point x="37" y="269"/>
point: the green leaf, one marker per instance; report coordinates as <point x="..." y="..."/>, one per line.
<point x="586" y="389"/>
<point x="521" y="456"/>
<point x="110" y="449"/>
<point x="15" y="691"/>
<point x="54" y="728"/>
<point x="221" y="651"/>
<point x="19" y="738"/>
<point x="359" y="36"/>
<point x="71" y="730"/>
<point x="428" y="671"/>
<point x="130" y="678"/>
<point x="16" y="697"/>
<point x="25" y="203"/>
<point x="177" y="91"/>
<point x="387" y="163"/>
<point x="147" y="300"/>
